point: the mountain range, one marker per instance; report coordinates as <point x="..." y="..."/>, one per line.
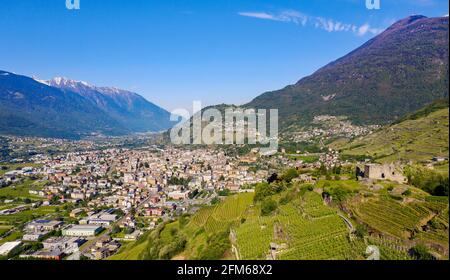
<point x="395" y="73"/>
<point x="71" y="109"/>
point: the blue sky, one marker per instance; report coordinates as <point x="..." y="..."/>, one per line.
<point x="174" y="52"/>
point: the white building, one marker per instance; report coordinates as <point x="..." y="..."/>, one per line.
<point x="8" y="247"/>
<point x="82" y="230"/>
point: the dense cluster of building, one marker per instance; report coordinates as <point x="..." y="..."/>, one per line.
<point x="116" y="188"/>
<point x="325" y="127"/>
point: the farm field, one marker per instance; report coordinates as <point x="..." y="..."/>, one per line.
<point x="4" y="229"/>
<point x="21" y="190"/>
<point x="305" y="158"/>
<point x="12" y="237"/>
<point x="27" y="215"/>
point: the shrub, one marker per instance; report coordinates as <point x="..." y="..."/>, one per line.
<point x="216" y="248"/>
<point x="420" y="252"/>
<point x="428" y="180"/>
<point x="360" y="231"/>
<point x="268" y="206"/>
<point x="339" y="194"/>
<point x="224" y="192"/>
<point x="115" y="229"/>
<point x="289" y="174"/>
<point x="264" y="190"/>
<point x="285" y="199"/>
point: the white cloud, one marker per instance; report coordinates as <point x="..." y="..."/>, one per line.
<point x="328" y="25"/>
<point x="363" y="29"/>
<point x="257" y="15"/>
<point x="286" y="16"/>
<point x="366" y="28"/>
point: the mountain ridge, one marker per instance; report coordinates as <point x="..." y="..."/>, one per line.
<point x="394" y="73"/>
<point x="72" y="109"/>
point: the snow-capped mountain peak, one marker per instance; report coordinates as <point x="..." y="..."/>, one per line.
<point x="65" y="82"/>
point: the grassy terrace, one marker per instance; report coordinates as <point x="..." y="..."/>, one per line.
<point x="415" y="139"/>
<point x="28" y="215"/>
<point x="21" y="190"/>
<point x="130" y="251"/>
<point x="305" y="158"/>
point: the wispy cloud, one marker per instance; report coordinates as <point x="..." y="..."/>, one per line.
<point x="301" y="19"/>
<point x="257" y="15"/>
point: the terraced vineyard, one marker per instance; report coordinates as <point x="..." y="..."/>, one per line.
<point x="390" y="250"/>
<point x="387" y="215"/>
<point x="322" y="235"/>
<point x="201" y="217"/>
<point x="440" y="237"/>
<point x="207" y="222"/>
<point x="307" y="228"/>
<point x="215" y="219"/>
<point x="313" y="206"/>
<point x="412" y="139"/>
<point x="405" y="220"/>
<point x="254" y="237"/>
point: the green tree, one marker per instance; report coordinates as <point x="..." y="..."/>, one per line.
<point x="289" y="175"/>
<point x="268" y="206"/>
<point x="360" y="231"/>
<point x="115" y="229"/>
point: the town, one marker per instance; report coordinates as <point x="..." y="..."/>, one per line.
<point x="96" y="199"/>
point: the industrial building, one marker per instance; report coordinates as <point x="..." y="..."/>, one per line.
<point x="82" y="230"/>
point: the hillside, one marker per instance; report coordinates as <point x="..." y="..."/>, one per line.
<point x="418" y="137"/>
<point x="195" y="233"/>
<point x="393" y="74"/>
<point x="302" y="226"/>
<point x="68" y="109"/>
<point x="30" y="108"/>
